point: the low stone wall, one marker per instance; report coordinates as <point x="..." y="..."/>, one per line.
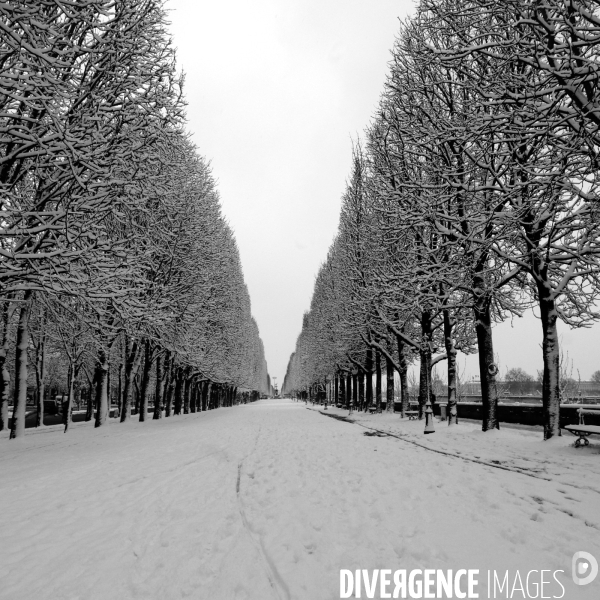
<point x="524" y="414"/>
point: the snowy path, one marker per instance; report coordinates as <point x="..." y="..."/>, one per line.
<point x="268" y="501"/>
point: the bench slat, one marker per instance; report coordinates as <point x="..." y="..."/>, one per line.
<point x="584" y="428"/>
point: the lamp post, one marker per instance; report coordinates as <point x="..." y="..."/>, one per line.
<point x="353" y="395"/>
<point x="429" y="428"/>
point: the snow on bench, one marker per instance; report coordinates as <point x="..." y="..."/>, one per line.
<point x="583" y="430"/>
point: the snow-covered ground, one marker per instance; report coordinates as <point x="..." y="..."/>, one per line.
<point x="271" y="500"/>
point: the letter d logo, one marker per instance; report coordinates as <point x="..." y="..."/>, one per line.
<point x="585" y="568"/>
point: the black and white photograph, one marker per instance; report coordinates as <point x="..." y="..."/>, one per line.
<point x="299" y="299"/>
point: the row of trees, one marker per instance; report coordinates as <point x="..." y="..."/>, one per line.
<point x="473" y="197"/>
<point x="114" y="255"/>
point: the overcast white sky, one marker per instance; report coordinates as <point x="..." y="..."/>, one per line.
<point x="277" y="89"/>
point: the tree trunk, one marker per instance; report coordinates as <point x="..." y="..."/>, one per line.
<point x="355" y="391"/>
<point x="169" y="388"/>
<point x="193" y="387"/>
<point x="7" y="308"/>
<point x="349" y="390"/>
<point x="205" y="392"/>
<point x="120" y="390"/>
<point x="169" y="384"/>
<point x="157" y="414"/>
<point x="101" y="389"/>
<point x="186" y="390"/>
<point x="131" y="352"/>
<point x="69" y="408"/>
<point x="40" y="372"/>
<point x="369" y="376"/>
<point x="361" y="390"/>
<point x="377" y="381"/>
<point x="389" y="381"/>
<point x="89" y="412"/>
<point x="178" y="402"/>
<point x="551" y="355"/>
<point x="403" y="364"/>
<point x="336" y="396"/>
<point x="39" y="399"/>
<point x="199" y="389"/>
<point x="108" y="392"/>
<point x="452" y="410"/>
<point x="145" y="381"/>
<point x="487" y="374"/>
<point x="136" y="393"/>
<point x="342" y="389"/>
<point x="20" y="391"/>
<point x="4" y="391"/>
<point x="425" y="360"/>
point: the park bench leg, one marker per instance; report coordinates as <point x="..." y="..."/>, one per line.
<point x="582" y="440"/>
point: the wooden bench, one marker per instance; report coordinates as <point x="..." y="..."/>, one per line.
<point x="583" y="430"/>
<point x="412" y="415"/>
